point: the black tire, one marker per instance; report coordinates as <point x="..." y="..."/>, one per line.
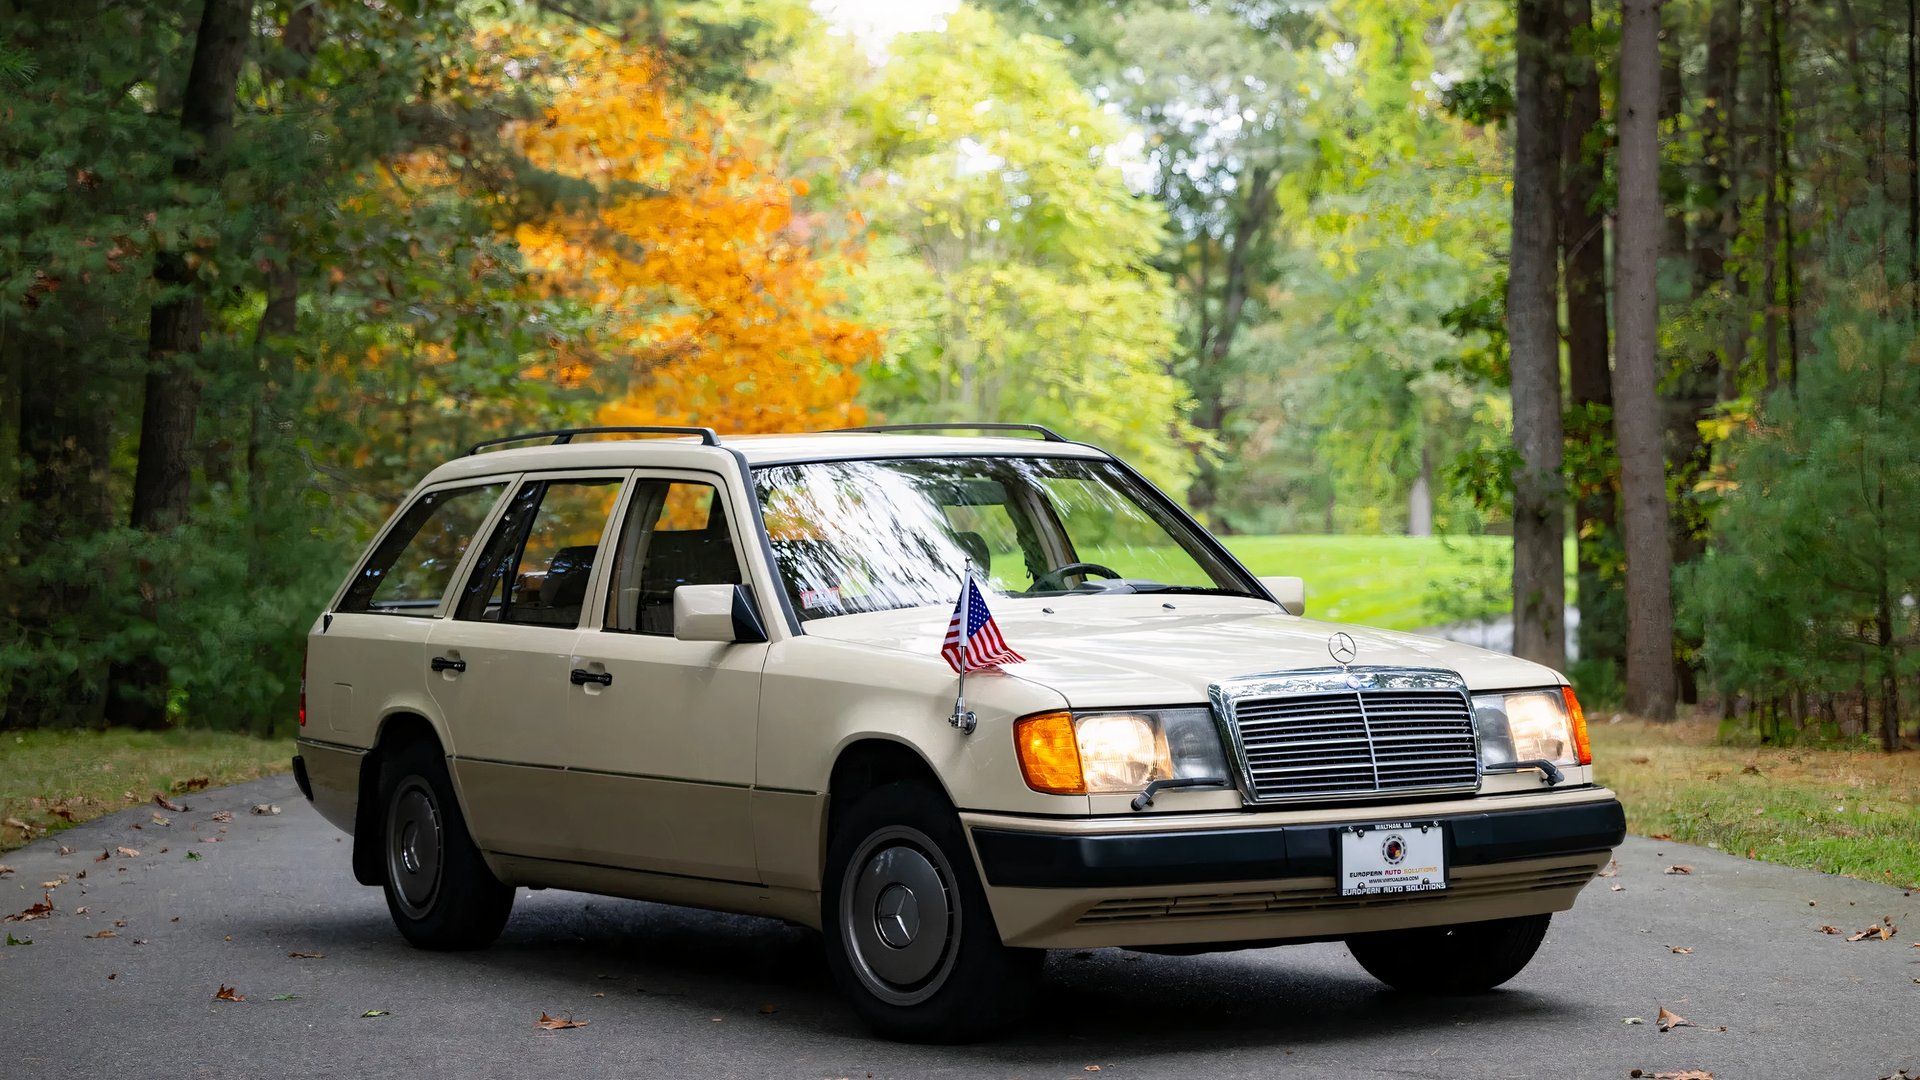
<point x="438" y="888"/>
<point x="1470" y="958"/>
<point x="900" y="847"/>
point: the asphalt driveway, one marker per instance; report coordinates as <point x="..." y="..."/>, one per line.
<point x="670" y="992"/>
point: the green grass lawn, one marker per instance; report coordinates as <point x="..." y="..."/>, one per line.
<point x="1853" y="812"/>
<point x="52" y="780"/>
<point x="1393" y="582"/>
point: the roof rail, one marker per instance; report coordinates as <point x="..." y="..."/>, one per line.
<point x="1047" y="434"/>
<point x="563" y="436"/>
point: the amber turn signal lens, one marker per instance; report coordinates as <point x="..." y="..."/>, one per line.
<point x="1049" y="753"/>
<point x="1577" y="717"/>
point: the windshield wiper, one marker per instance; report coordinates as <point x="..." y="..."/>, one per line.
<point x="1189" y="590"/>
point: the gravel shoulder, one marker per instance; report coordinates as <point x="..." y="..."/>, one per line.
<point x="672" y="991"/>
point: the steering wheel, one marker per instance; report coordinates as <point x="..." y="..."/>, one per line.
<point x="1055" y="580"/>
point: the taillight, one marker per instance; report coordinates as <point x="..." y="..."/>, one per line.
<point x="303" y="691"/>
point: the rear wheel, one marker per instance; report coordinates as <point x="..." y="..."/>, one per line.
<point x="438" y="888"/>
<point x="1466" y="959"/>
<point x="909" y="937"/>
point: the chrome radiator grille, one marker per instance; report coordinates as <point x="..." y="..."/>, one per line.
<point x="1346" y="733"/>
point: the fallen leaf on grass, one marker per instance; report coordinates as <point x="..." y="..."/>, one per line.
<point x="306" y="956"/>
<point x="15" y="823"/>
<point x="226" y="993"/>
<point x="1679" y="868"/>
<point x="198" y="783"/>
<point x="1667" y="1021"/>
<point x="1661" y="836"/>
<point x="555" y="1023"/>
<point x="223" y="815"/>
<point x="131" y="853"/>
<point x="1681" y="949"/>
<point x="62" y="811"/>
<point x="165" y="803"/>
<point x="263" y="808"/>
<point x="103" y="934"/>
<point x="38" y="911"/>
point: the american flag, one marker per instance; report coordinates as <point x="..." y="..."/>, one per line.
<point x="973" y="638"/>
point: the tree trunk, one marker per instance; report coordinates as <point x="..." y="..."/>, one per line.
<point x="1533" y="333"/>
<point x="1913" y="160"/>
<point x="1583" y="255"/>
<point x="1636" y="415"/>
<point x="1420" y="497"/>
<point x="163" y="477"/>
<point x="1720" y="177"/>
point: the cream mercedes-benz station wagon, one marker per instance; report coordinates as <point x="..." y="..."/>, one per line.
<point x="710" y="672"/>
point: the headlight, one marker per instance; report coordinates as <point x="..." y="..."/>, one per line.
<point x="1532" y="725"/>
<point x="1107" y="752"/>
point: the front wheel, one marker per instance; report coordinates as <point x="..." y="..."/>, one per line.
<point x="1470" y="958"/>
<point x="439" y="890"/>
<point x="909" y="937"/>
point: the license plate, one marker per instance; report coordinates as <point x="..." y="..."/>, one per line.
<point x="1393" y="857"/>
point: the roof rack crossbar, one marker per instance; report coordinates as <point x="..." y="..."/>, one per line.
<point x="1047" y="434"/>
<point x="563" y="436"/>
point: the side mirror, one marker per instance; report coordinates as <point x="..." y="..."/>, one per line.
<point x="1290" y="591"/>
<point x="722" y="613"/>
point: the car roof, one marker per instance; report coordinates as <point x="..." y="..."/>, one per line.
<point x="691" y="452"/>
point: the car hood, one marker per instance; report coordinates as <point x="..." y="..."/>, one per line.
<point x="1101" y="651"/>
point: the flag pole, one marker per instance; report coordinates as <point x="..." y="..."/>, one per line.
<point x="962" y="717"/>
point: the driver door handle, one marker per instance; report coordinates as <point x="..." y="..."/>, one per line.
<point x="447" y="663"/>
<point x="581" y="677"/>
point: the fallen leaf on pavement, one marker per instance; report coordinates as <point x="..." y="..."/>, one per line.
<point x="372" y="1013"/>
<point x="160" y="819"/>
<point x="769" y="1010"/>
<point x="223" y="815"/>
<point x="103" y="934"/>
<point x="64" y="851"/>
<point x="226" y="993"/>
<point x="1679" y="868"/>
<point x="1681" y="949"/>
<point x="131" y="853"/>
<point x="1612" y="868"/>
<point x="81" y="910"/>
<point x="554" y="1023"/>
<point x="103" y="856"/>
<point x="165" y="803"/>
<point x="11" y="940"/>
<point x="198" y="783"/>
<point x="139" y="941"/>
<point x="190" y="855"/>
<point x="1876" y="932"/>
<point x="1829" y="929"/>
<point x="54" y="884"/>
<point x="1632" y="1020"/>
<point x="1617" y="888"/>
<point x="38" y="911"/>
<point x="5" y="869"/>
<point x="120" y="923"/>
<point x="1667" y="1021"/>
<point x="263" y="808"/>
<point x="307" y="956"/>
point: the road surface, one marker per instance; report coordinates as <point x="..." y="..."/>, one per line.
<point x="670" y="992"/>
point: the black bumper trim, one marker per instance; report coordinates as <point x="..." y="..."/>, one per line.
<point x="1059" y="861"/>
<point x="300" y="777"/>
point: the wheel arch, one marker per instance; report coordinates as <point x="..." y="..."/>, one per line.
<point x="867" y="762"/>
<point x="398" y="727"/>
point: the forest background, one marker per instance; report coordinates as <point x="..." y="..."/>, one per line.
<point x="1537" y="285"/>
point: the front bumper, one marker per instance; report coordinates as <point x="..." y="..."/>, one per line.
<point x="1244" y="877"/>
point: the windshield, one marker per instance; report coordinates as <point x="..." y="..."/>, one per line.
<point x="855" y="536"/>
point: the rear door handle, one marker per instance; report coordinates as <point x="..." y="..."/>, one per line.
<point x="581" y="677"/>
<point x="448" y="663"/>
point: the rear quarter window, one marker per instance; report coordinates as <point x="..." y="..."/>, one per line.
<point x="410" y="569"/>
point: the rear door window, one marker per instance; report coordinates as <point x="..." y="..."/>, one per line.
<point x="408" y="572"/>
<point x="537" y="564"/>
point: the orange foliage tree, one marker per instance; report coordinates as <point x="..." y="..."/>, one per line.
<point x="710" y="278"/>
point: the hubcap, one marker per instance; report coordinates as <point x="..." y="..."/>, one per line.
<point x="899" y="914"/>
<point x="414" y="846"/>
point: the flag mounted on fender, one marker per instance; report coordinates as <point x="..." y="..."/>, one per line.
<point x="973" y="638"/>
